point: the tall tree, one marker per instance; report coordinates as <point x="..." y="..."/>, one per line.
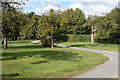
<point x="76" y="19"/>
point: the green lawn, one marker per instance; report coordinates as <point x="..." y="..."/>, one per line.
<point x="110" y="47"/>
<point x="24" y="59"/>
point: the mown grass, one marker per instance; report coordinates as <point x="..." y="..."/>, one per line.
<point x="109" y="47"/>
<point x="24" y="59"/>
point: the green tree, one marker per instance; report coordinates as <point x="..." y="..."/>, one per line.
<point x="76" y="19"/>
<point x="49" y="26"/>
<point x="9" y="13"/>
<point x="92" y="24"/>
<point x="29" y="30"/>
<point x="104" y="26"/>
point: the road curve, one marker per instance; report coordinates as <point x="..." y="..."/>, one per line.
<point x="107" y="70"/>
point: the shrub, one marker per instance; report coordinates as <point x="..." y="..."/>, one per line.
<point x="74" y="38"/>
<point x="85" y="38"/>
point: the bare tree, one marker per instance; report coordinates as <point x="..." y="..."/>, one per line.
<point x="92" y="34"/>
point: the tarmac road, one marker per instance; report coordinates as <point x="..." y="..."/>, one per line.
<point x="107" y="70"/>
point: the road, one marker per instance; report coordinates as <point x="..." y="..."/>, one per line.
<point x="107" y="70"/>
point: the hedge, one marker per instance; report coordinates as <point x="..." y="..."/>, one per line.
<point x="108" y="40"/>
<point x="78" y="38"/>
<point x="113" y="38"/>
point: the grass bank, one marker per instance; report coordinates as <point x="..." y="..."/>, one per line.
<point x="24" y="59"/>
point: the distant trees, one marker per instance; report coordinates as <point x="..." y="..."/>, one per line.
<point x="28" y="31"/>
<point x="50" y="26"/>
<point x="107" y="26"/>
<point x="110" y="26"/>
<point x="76" y="18"/>
<point x="54" y="23"/>
<point x="92" y="24"/>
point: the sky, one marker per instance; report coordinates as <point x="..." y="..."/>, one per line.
<point x="89" y="7"/>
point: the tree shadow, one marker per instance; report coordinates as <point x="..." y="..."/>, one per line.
<point x="11" y="75"/>
<point x="84" y="45"/>
<point x="25" y="47"/>
<point x="78" y="45"/>
<point x="38" y="62"/>
<point x="12" y="42"/>
<point x="48" y="55"/>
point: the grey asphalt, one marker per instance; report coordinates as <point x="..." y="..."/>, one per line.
<point x="107" y="70"/>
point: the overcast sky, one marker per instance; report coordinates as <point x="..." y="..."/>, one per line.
<point x="94" y="7"/>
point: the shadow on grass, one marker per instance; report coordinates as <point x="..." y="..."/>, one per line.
<point x="11" y="75"/>
<point x="78" y="45"/>
<point x="25" y="47"/>
<point x="48" y="55"/>
<point x="38" y="62"/>
<point x="34" y="45"/>
<point x="12" y="42"/>
<point x="84" y="45"/>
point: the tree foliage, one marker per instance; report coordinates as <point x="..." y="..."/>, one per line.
<point x="10" y="20"/>
<point x="52" y="25"/>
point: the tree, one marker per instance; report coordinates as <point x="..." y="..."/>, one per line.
<point x="9" y="12"/>
<point x="92" y="35"/>
<point x="29" y="30"/>
<point x="93" y="23"/>
<point x="49" y="26"/>
<point x="76" y="19"/>
<point x="104" y="26"/>
<point x="43" y="30"/>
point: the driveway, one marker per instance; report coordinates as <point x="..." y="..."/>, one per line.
<point x="107" y="70"/>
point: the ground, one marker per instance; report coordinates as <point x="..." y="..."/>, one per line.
<point x="24" y="59"/>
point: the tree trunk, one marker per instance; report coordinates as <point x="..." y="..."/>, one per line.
<point x="92" y="36"/>
<point x="2" y="40"/>
<point x="5" y="43"/>
<point x="52" y="42"/>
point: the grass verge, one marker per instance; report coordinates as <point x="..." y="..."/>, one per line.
<point x="109" y="47"/>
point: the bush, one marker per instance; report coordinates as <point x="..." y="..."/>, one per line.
<point x="79" y="38"/>
<point x="85" y="38"/>
<point x="74" y="38"/>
